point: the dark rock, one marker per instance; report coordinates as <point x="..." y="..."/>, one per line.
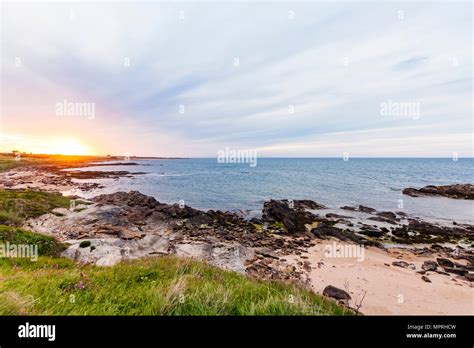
<point x="348" y="208"/>
<point x="441" y="272"/>
<point x="445" y="262"/>
<point x="387" y="215"/>
<point x="459" y="271"/>
<point x="336" y="216"/>
<point x="371" y="232"/>
<point x="256" y="221"/>
<point x="381" y="219"/>
<point x="458" y="191"/>
<point x="403" y="264"/>
<point x="426" y="279"/>
<point x="132" y="198"/>
<point x="293" y="219"/>
<point x="365" y="209"/>
<point x="425" y="232"/>
<point x="324" y="230"/>
<point x="338" y="294"/>
<point x="469" y="276"/>
<point x="307" y="204"/>
<point x="429" y="266"/>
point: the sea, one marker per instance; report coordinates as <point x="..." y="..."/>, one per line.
<point x="204" y="183"/>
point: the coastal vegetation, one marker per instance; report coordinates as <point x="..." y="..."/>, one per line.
<point x="165" y="285"/>
<point x="18" y="205"/>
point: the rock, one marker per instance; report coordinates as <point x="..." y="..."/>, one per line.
<point x="256" y="221"/>
<point x="469" y="276"/>
<point x="443" y="273"/>
<point x="403" y="264"/>
<point x="429" y="266"/>
<point x="371" y="232"/>
<point x="426" y="279"/>
<point x="381" y="219"/>
<point x="108" y="260"/>
<point x="457" y="191"/>
<point x="307" y="204"/>
<point x="293" y="219"/>
<point x="348" y="208"/>
<point x="445" y="262"/>
<point x="387" y="215"/>
<point x="365" y="209"/>
<point x="324" y="230"/>
<point x="336" y="216"/>
<point x="132" y="198"/>
<point x="418" y="231"/>
<point x="338" y="294"/>
<point x="459" y="271"/>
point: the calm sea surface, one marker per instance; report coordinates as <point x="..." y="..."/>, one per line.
<point x="378" y="183"/>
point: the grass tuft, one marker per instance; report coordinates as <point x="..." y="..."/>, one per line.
<point x="47" y="246"/>
<point x="18" y="205"/>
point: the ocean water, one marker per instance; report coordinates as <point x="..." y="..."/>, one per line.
<point x="378" y="183"/>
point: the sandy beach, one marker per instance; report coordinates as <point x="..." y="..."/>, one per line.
<point x="388" y="289"/>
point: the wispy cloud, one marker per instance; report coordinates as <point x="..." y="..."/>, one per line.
<point x="188" y="79"/>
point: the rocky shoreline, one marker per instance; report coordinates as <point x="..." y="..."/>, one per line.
<point x="458" y="191"/>
<point x="284" y="243"/>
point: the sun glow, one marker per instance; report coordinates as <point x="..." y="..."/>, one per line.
<point x="64" y="146"/>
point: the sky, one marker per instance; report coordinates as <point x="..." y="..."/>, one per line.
<point x="188" y="79"/>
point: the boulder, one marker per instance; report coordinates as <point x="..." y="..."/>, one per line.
<point x="371" y="232"/>
<point x="338" y="294"/>
<point x="293" y="219"/>
<point x="429" y="266"/>
<point x="365" y="209"/>
<point x="445" y="262"/>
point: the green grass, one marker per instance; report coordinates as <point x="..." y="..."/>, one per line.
<point x="18" y="205"/>
<point x="154" y="286"/>
<point x="47" y="246"/>
<point x="8" y="162"/>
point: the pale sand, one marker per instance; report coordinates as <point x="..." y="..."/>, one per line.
<point x="391" y="290"/>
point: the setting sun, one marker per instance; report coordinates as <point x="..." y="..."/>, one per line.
<point x="45" y="144"/>
<point x="66" y="146"/>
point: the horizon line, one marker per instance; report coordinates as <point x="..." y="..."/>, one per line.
<point x="211" y="157"/>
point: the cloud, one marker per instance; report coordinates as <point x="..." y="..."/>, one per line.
<point x="411" y="63"/>
<point x="246" y="75"/>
